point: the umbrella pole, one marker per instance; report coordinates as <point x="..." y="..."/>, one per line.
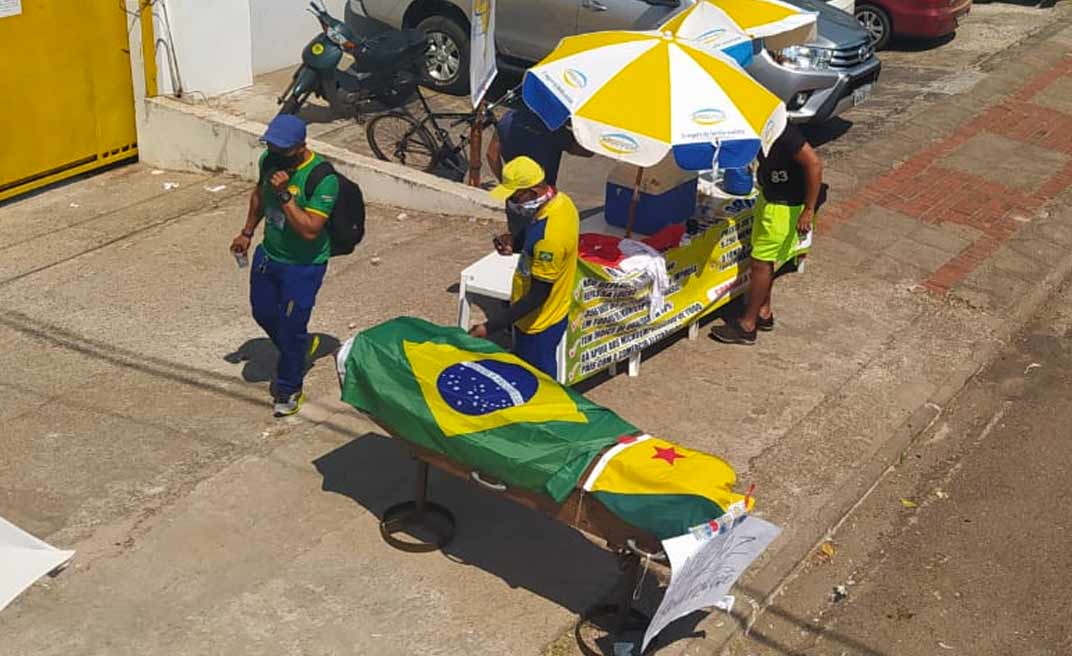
<point x="633" y="203"/>
<point x="475" y="137"/>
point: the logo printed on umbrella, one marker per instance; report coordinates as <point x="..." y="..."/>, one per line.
<point x="619" y="143"/>
<point x="711" y="37"/>
<point x="709" y="116"/>
<point x="575" y="78"/>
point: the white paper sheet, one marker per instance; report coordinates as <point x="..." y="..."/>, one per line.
<point x="23" y="560"/>
<point x="10" y="8"/>
<point x="709" y="569"/>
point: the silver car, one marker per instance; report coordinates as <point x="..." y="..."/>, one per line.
<point x="817" y="81"/>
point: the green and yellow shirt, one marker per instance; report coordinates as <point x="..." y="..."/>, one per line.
<point x="281" y="242"/>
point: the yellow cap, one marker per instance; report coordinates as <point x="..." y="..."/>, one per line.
<point x="519" y="173"/>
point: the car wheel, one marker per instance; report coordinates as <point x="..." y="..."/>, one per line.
<point x="446" y="65"/>
<point x="877" y="24"/>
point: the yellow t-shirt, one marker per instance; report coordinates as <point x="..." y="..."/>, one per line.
<point x="549" y="254"/>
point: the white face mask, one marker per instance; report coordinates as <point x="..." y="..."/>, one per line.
<point x="530" y="208"/>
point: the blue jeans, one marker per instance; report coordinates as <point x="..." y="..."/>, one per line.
<point x="282" y="297"/>
<point x="541" y="349"/>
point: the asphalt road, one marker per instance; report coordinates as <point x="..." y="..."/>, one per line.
<point x="963" y="548"/>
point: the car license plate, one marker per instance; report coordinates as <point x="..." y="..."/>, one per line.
<point x="861" y="94"/>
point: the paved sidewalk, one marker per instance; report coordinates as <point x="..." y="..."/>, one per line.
<point x="946" y="210"/>
<point x="137" y="429"/>
<point x="940" y="575"/>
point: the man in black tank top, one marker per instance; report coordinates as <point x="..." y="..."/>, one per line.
<point x="790" y="177"/>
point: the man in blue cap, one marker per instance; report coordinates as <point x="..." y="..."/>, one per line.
<point x="290" y="262"/>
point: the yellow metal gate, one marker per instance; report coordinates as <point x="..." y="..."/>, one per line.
<point x="66" y="98"/>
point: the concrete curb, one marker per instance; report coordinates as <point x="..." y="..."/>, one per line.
<point x="791" y="559"/>
<point x="185" y="137"/>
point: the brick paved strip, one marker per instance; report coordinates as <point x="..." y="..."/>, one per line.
<point x="931" y="191"/>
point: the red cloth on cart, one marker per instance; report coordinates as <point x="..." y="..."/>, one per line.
<point x="603" y="249"/>
<point x="600" y="249"/>
<point x="667" y="238"/>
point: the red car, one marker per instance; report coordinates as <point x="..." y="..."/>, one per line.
<point x="921" y="19"/>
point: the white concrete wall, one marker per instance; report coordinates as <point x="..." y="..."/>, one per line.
<point x="211" y="44"/>
<point x="174" y="135"/>
<point x="281" y="28"/>
<point x="219" y="45"/>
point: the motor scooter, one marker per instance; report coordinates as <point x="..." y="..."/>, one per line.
<point x="386" y="67"/>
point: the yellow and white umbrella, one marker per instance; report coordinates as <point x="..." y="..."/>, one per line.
<point x="779" y="24"/>
<point x="640" y="96"/>
<point x="712" y="30"/>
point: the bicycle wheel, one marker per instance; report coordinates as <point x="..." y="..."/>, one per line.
<point x="395" y="137"/>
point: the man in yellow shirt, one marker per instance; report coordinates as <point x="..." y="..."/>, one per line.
<point x="543" y="281"/>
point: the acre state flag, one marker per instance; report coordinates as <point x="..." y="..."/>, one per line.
<point x="662" y="487"/>
<point x="478" y="405"/>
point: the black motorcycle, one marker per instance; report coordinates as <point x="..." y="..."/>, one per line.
<point x="387" y="67"/>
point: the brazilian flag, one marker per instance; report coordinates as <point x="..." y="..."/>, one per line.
<point x="471" y="401"/>
<point x="662" y="487"/>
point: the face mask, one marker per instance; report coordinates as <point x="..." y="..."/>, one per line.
<point x="281" y="161"/>
<point x="530" y="208"/>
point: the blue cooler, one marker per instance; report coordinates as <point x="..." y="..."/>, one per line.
<point x="737" y="182"/>
<point x="667" y="195"/>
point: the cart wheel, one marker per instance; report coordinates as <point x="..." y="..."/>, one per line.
<point x="601" y="619"/>
<point x="433" y="520"/>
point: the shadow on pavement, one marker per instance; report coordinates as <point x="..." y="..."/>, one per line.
<point x="260" y="357"/>
<point x="518" y="545"/>
<point x="824" y="133"/>
<point x="311" y="113"/>
<point x="919" y="45"/>
<point x="837" y="642"/>
<point x="514" y="543"/>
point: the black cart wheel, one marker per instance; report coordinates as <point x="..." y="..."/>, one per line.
<point x="431" y="526"/>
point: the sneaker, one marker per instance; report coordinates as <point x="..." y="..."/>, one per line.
<point x="290" y="405"/>
<point x="732" y="333"/>
<point x="766" y="325"/>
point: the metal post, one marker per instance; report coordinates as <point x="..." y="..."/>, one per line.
<point x="422" y="486"/>
<point x="634" y="202"/>
<point x="476" y="135"/>
<point x="629" y="578"/>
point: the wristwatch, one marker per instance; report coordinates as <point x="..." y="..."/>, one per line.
<point x="248" y="234"/>
<point x="284" y="197"/>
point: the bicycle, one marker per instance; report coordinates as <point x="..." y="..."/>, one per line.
<point x="424" y="144"/>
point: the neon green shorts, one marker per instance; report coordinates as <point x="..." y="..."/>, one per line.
<point x="774" y="231"/>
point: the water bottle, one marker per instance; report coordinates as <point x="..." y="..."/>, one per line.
<point x="705" y="531"/>
<point x="241" y="259"/>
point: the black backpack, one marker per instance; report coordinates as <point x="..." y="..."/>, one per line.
<point x="346" y="225"/>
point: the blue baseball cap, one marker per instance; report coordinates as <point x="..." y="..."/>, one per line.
<point x="285" y="131"/>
